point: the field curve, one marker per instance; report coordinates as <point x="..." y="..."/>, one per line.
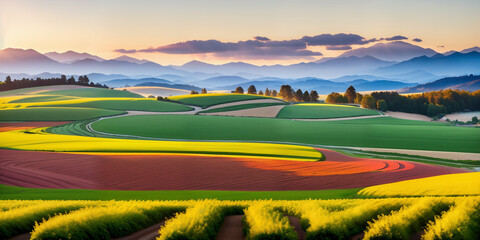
<point x="180" y="172"/>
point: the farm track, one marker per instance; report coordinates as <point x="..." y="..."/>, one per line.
<point x="231" y="229"/>
<point x="180" y="172"/>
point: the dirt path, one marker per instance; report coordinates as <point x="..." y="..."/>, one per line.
<point x="409" y="116"/>
<point x="150" y="233"/>
<point x="232" y="228"/>
<point x="339" y="119"/>
<point x="25" y="236"/>
<point x="270" y="112"/>
<point x="10" y="126"/>
<point x="177" y="172"/>
<point x="295" y="223"/>
<point x="434" y="154"/>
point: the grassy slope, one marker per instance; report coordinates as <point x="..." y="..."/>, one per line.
<point x="382" y="132"/>
<point x="317" y="111"/>
<point x="54" y="114"/>
<point x="93" y="92"/>
<point x="150" y="105"/>
<point x="241" y="107"/>
<point x="207" y="100"/>
<point x="9" y="192"/>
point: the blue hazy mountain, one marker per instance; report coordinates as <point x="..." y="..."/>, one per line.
<point x="116" y="83"/>
<point x="439" y="64"/>
<point x="467" y="82"/>
<point x="391" y="51"/>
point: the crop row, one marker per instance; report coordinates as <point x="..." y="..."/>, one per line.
<point x="389" y="218"/>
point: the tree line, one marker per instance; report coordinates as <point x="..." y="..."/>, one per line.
<point x="435" y="103"/>
<point x="10" y="84"/>
<point x="286" y="92"/>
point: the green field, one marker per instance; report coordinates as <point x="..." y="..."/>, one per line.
<point x="147" y="104"/>
<point x="93" y="92"/>
<point x="241" y="107"/>
<point x="207" y="100"/>
<point x="384" y="132"/>
<point x="10" y="192"/>
<point x="54" y="114"/>
<point x="321" y="111"/>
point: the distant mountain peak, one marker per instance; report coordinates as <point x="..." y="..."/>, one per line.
<point x="130" y="59"/>
<point x="391" y="51"/>
<point x="71" y="56"/>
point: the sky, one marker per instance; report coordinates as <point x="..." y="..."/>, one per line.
<point x="219" y="31"/>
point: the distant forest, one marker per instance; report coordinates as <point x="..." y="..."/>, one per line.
<point x="38" y="82"/>
<point x="435" y="103"/>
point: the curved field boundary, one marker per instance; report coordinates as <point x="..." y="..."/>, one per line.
<point x="269" y="112"/>
<point x="208" y="100"/>
<point x="243" y="102"/>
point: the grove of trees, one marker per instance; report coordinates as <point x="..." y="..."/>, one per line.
<point x="430" y="103"/>
<point x="10" y="84"/>
<point x="286" y="92"/>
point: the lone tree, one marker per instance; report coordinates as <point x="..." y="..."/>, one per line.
<point x="368" y="102"/>
<point x="313" y="96"/>
<point x="306" y="97"/>
<point x="382" y="105"/>
<point x="298" y="95"/>
<point x="260" y="93"/>
<point x="239" y="90"/>
<point x="204" y="91"/>
<point x="286" y="92"/>
<point x="274" y="93"/>
<point x="252" y="90"/>
<point x="351" y="94"/>
<point x="474" y="119"/>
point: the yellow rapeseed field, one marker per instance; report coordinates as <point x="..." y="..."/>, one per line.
<point x="39" y="140"/>
<point x="452" y="184"/>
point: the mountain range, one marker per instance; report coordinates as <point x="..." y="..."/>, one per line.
<point x="389" y="65"/>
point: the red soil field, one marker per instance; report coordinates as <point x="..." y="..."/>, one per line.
<point x="181" y="172"/>
<point x="27" y="125"/>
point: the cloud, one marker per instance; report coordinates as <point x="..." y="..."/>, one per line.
<point x="396" y="38"/>
<point x="258" y="49"/>
<point x="417" y="40"/>
<point x="125" y="51"/>
<point x="263" y="39"/>
<point x="441" y="46"/>
<point x="337" y="48"/>
<point x="261" y="47"/>
<point x="340" y="39"/>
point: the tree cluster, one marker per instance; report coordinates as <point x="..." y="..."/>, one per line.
<point x="431" y="103"/>
<point x="350" y="96"/>
<point x="288" y="94"/>
<point x="10" y="84"/>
